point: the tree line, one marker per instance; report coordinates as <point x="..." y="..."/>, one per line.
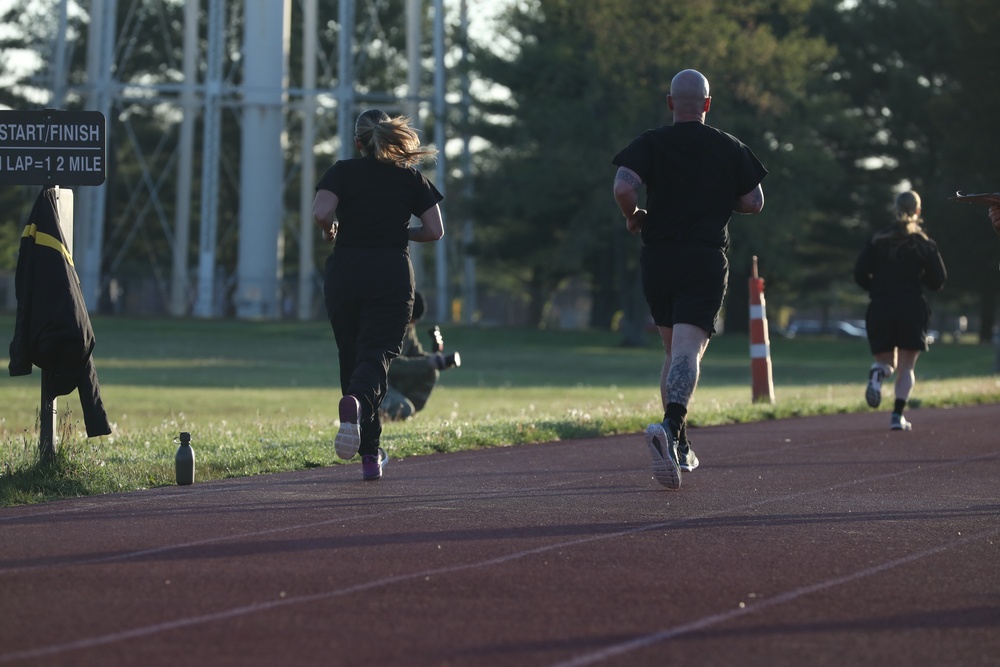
<point x="844" y="101"/>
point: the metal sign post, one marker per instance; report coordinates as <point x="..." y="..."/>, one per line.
<point x="49" y="410"/>
<point x="53" y="148"/>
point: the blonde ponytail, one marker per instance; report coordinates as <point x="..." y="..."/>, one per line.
<point x="907" y="210"/>
<point x="390" y="140"/>
<point x="907" y="229"/>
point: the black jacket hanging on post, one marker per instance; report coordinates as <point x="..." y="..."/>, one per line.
<point x="53" y="329"/>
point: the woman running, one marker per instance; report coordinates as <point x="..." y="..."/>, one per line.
<point x="365" y="205"/>
<point x="895" y="264"/>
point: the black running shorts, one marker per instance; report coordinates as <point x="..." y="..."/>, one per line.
<point x="897" y="323"/>
<point x="685" y="284"/>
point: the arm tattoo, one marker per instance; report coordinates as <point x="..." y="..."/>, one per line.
<point x="753" y="206"/>
<point x="628" y="177"/>
<point x="682" y="380"/>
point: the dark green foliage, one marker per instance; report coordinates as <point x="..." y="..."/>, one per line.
<point x="587" y="78"/>
<point x="922" y="76"/>
<point x="842" y="102"/>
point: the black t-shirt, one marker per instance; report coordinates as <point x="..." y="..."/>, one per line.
<point x="694" y="173"/>
<point x="895" y="268"/>
<point x="376" y="200"/>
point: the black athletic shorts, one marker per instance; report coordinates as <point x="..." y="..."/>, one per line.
<point x="685" y="284"/>
<point x="898" y="323"/>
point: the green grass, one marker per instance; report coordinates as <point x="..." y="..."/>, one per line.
<point x="262" y="397"/>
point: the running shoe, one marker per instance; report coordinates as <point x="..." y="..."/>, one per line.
<point x="899" y="423"/>
<point x="687" y="460"/>
<point x="873" y="394"/>
<point x="349" y="435"/>
<point x="663" y="448"/>
<point x="373" y="464"/>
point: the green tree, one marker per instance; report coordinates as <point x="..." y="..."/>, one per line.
<point x="588" y="77"/>
<point x="965" y="119"/>
<point x="922" y="76"/>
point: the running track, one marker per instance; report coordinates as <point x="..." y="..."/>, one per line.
<point x="820" y="541"/>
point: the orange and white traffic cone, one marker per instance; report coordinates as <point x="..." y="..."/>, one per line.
<point x="760" y="345"/>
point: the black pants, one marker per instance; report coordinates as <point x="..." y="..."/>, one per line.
<point x="369" y="300"/>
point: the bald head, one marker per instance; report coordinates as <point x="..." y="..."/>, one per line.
<point x="689" y="98"/>
<point x="689" y="83"/>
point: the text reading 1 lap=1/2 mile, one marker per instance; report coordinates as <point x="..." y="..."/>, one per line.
<point x="52" y="147"/>
<point x="50" y="159"/>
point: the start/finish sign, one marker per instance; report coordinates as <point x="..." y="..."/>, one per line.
<point x="52" y="147"/>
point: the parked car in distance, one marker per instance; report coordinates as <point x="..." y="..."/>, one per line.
<point x="839" y="328"/>
<point x="844" y="328"/>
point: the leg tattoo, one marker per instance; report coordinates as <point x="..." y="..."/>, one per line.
<point x="682" y="380"/>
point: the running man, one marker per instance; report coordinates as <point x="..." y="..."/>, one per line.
<point x="696" y="176"/>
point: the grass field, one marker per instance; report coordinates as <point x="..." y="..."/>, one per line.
<point x="262" y="397"/>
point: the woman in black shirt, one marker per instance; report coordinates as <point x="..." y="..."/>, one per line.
<point x="893" y="267"/>
<point x="364" y="205"/>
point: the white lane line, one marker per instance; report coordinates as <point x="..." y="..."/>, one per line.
<point x="356" y="517"/>
<point x="235" y="612"/>
<point x="257" y="533"/>
<point x="113" y="502"/>
<point x="788" y="596"/>
<point x="229" y="485"/>
<point x="145" y="631"/>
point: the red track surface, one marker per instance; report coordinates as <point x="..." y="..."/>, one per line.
<point x="821" y="541"/>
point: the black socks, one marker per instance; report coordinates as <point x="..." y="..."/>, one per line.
<point x="675" y="417"/>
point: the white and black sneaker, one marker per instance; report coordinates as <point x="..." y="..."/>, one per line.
<point x="873" y="393"/>
<point x="687" y="460"/>
<point x="663" y="448"/>
<point x="899" y="423"/>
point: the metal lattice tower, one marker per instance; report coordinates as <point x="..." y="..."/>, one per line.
<point x="227" y="78"/>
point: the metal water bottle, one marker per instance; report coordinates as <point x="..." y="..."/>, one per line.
<point x="184" y="461"/>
